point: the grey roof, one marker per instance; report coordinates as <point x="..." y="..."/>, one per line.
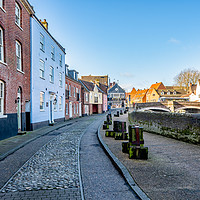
<point x="116" y="89"/>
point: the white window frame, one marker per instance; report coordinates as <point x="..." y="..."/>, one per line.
<point x="19" y="55"/>
<point x="42" y="42"/>
<point x="60" y="59"/>
<point x="60" y="79"/>
<point x="67" y="111"/>
<point x="42" y="68"/>
<point x="51" y="74"/>
<point x="42" y="100"/>
<point x="17" y="14"/>
<point x="1" y="45"/>
<point x="1" y="3"/>
<point x="1" y="97"/>
<point x="53" y="53"/>
<point x="60" y="103"/>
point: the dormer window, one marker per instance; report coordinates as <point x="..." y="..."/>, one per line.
<point x="162" y="93"/>
<point x="17" y="14"/>
<point x="174" y="92"/>
<point x="168" y="92"/>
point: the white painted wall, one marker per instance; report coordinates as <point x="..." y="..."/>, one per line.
<point x="38" y="84"/>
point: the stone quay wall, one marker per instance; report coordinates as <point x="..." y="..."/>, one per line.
<point x="178" y="126"/>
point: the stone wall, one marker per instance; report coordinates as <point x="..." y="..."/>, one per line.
<point x="178" y="126"/>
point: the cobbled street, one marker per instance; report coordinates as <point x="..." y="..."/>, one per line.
<point x="52" y="172"/>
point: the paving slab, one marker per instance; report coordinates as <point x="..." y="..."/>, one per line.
<point x="172" y="170"/>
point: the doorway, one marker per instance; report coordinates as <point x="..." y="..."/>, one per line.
<point x="19" y="109"/>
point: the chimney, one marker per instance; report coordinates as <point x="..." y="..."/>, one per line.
<point x="44" y="23"/>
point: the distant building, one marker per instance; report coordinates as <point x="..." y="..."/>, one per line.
<point x="130" y="96"/>
<point x="47" y="76"/>
<point x="195" y="92"/>
<point x="73" y="107"/>
<point x="95" y="97"/>
<point x="116" y="96"/>
<point x="140" y="96"/>
<point x="14" y="67"/>
<point x="101" y="79"/>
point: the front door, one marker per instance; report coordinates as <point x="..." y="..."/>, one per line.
<point x="51" y="117"/>
<point x="70" y="109"/>
<point x="19" y="110"/>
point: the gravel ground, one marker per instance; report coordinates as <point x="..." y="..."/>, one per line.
<point x="172" y="170"/>
<point x="100" y="178"/>
<point x="52" y="168"/>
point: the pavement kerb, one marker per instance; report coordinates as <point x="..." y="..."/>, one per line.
<point x="32" y="139"/>
<point x="122" y="169"/>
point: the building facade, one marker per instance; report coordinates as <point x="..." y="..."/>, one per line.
<point x="116" y="96"/>
<point x="95" y="97"/>
<point x="195" y="94"/>
<point x="47" y="76"/>
<point x="14" y="67"/>
<point x="73" y="104"/>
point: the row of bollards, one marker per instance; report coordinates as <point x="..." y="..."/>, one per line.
<point x="135" y="144"/>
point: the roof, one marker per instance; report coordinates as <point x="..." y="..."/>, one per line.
<point x="158" y="86"/>
<point x="140" y="94"/>
<point x="116" y="89"/>
<point x="171" y="92"/>
<point x="102" y="79"/>
<point x="59" y="45"/>
<point x="89" y="85"/>
<point x="103" y="87"/>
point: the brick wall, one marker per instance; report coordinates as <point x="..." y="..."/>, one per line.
<point x="178" y="126"/>
<point x="12" y="78"/>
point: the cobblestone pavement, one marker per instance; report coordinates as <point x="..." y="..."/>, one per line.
<point x="172" y="171"/>
<point x="52" y="172"/>
<point x="101" y="181"/>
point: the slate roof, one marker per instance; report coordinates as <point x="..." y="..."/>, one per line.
<point x="116" y="89"/>
<point x="89" y="85"/>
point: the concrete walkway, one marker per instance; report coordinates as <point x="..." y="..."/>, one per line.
<point x="172" y="170"/>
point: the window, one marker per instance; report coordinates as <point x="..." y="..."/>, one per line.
<point x="1" y="98"/>
<point x="60" y="59"/>
<point x="168" y="93"/>
<point x="19" y="56"/>
<point x="86" y="96"/>
<point x="52" y="52"/>
<point x="42" y="68"/>
<point x="41" y="101"/>
<point x="60" y="103"/>
<point x="67" y="109"/>
<point x="41" y="42"/>
<point x="162" y="93"/>
<point x="1" y="45"/>
<point x="51" y="74"/>
<point x="17" y="14"/>
<point x="174" y="92"/>
<point x="1" y="3"/>
<point x="77" y="109"/>
<point x="60" y="79"/>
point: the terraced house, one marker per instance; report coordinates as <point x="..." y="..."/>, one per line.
<point x="47" y="76"/>
<point x="73" y="104"/>
<point x="94" y="101"/>
<point x="14" y="67"/>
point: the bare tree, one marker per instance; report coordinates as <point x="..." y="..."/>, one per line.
<point x="187" y="76"/>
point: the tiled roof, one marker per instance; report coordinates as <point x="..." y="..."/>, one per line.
<point x="89" y="85"/>
<point x="140" y="94"/>
<point x="158" y="86"/>
<point x="116" y="89"/>
<point x="171" y="92"/>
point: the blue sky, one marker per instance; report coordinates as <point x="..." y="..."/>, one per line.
<point x="138" y="42"/>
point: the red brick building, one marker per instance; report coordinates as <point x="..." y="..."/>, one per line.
<point x="14" y="66"/>
<point x="73" y="108"/>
